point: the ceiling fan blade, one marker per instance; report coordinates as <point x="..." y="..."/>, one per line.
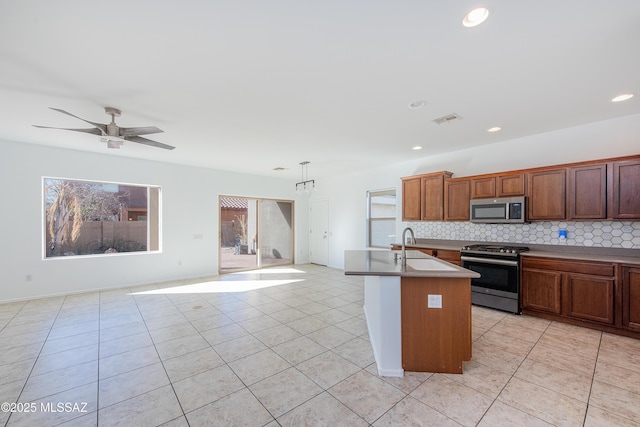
<point x="90" y="130"/>
<point x="114" y="135"/>
<point x="146" y="141"/>
<point x="142" y="130"/>
<point x="100" y="126"/>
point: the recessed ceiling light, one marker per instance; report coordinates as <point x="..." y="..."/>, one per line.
<point x="475" y="17"/>
<point x="494" y="129"/>
<point x="416" y="147"/>
<point x="622" y="97"/>
<point x="417" y="104"/>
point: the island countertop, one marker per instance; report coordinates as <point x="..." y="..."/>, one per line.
<point x="383" y="263"/>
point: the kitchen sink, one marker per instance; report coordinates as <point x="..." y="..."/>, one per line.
<point x="428" y="264"/>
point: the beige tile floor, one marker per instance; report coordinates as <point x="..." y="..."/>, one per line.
<point x="289" y="347"/>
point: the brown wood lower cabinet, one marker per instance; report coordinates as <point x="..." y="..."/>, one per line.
<point x="435" y="339"/>
<point x="631" y="298"/>
<point x="448" y="255"/>
<point x="584" y="293"/>
<point x="541" y="290"/>
<point x="589" y="298"/>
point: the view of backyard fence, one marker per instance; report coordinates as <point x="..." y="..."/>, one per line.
<point x="86" y="217"/>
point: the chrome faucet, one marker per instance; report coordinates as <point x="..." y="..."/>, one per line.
<point x="404" y="241"/>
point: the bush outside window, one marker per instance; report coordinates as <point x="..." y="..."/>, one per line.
<point x="89" y="218"/>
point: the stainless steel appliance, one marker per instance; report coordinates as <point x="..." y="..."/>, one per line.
<point x="499" y="283"/>
<point x="499" y="210"/>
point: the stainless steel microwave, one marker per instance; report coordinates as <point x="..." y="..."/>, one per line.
<point x="499" y="210"/>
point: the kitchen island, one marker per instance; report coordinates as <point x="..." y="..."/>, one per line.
<point x="419" y="314"/>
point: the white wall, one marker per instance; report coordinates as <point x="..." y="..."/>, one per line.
<point x="347" y="193"/>
<point x="190" y="197"/>
<point x="190" y="207"/>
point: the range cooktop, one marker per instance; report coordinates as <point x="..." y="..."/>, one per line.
<point x="495" y="249"/>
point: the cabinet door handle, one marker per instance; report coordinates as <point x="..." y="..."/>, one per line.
<point x="490" y="261"/>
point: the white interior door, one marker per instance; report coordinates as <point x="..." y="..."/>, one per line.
<point x="319" y="232"/>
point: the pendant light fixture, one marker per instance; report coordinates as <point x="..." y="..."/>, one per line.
<point x="305" y="185"/>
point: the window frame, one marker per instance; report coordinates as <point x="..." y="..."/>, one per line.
<point x="153" y="226"/>
<point x="371" y="220"/>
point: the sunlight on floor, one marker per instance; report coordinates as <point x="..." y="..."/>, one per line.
<point x="219" y="286"/>
<point x="271" y="270"/>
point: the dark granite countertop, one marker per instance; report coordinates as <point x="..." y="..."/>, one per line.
<point x="617" y="255"/>
<point x="383" y="263"/>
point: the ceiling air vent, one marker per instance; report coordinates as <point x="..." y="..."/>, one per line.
<point x="447" y="119"/>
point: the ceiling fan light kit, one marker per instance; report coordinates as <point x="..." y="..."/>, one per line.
<point x="114" y="135"/>
<point x="112" y="142"/>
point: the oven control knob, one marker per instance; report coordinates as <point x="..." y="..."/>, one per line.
<point x="502" y="250"/>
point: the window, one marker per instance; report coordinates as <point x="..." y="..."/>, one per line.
<point x="89" y="218"/>
<point x="382" y="218"/>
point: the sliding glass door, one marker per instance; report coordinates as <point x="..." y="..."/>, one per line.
<point x="275" y="232"/>
<point x="255" y="233"/>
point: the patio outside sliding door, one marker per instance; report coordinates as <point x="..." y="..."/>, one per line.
<point x="254" y="233"/>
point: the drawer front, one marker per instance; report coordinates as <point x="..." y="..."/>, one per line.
<point x="571" y="266"/>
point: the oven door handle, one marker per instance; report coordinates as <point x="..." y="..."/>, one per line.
<point x="490" y="260"/>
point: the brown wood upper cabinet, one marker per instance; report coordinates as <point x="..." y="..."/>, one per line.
<point x="547" y="194"/>
<point x="499" y="185"/>
<point x="456" y="199"/>
<point x="411" y="199"/>
<point x="482" y="188"/>
<point x="588" y="191"/>
<point x="423" y="197"/>
<point x="626" y="189"/>
<point x="591" y="190"/>
<point x="433" y="196"/>
<point x="604" y="190"/>
<point x="511" y="184"/>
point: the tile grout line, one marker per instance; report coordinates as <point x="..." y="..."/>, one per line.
<point x="514" y="372"/>
<point x="269" y="348"/>
<point x="99" y="345"/>
<point x="45" y="341"/>
<point x="291" y="365"/>
<point x="68" y="306"/>
<point x="184" y="415"/>
<point x="198" y="332"/>
<point x="39" y="353"/>
<point x="593" y="378"/>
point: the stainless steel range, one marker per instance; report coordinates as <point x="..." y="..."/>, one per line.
<point x="499" y="284"/>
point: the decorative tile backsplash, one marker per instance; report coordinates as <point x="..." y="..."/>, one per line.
<point x="605" y="234"/>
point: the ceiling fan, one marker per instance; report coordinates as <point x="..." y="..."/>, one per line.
<point x="114" y="135"/>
